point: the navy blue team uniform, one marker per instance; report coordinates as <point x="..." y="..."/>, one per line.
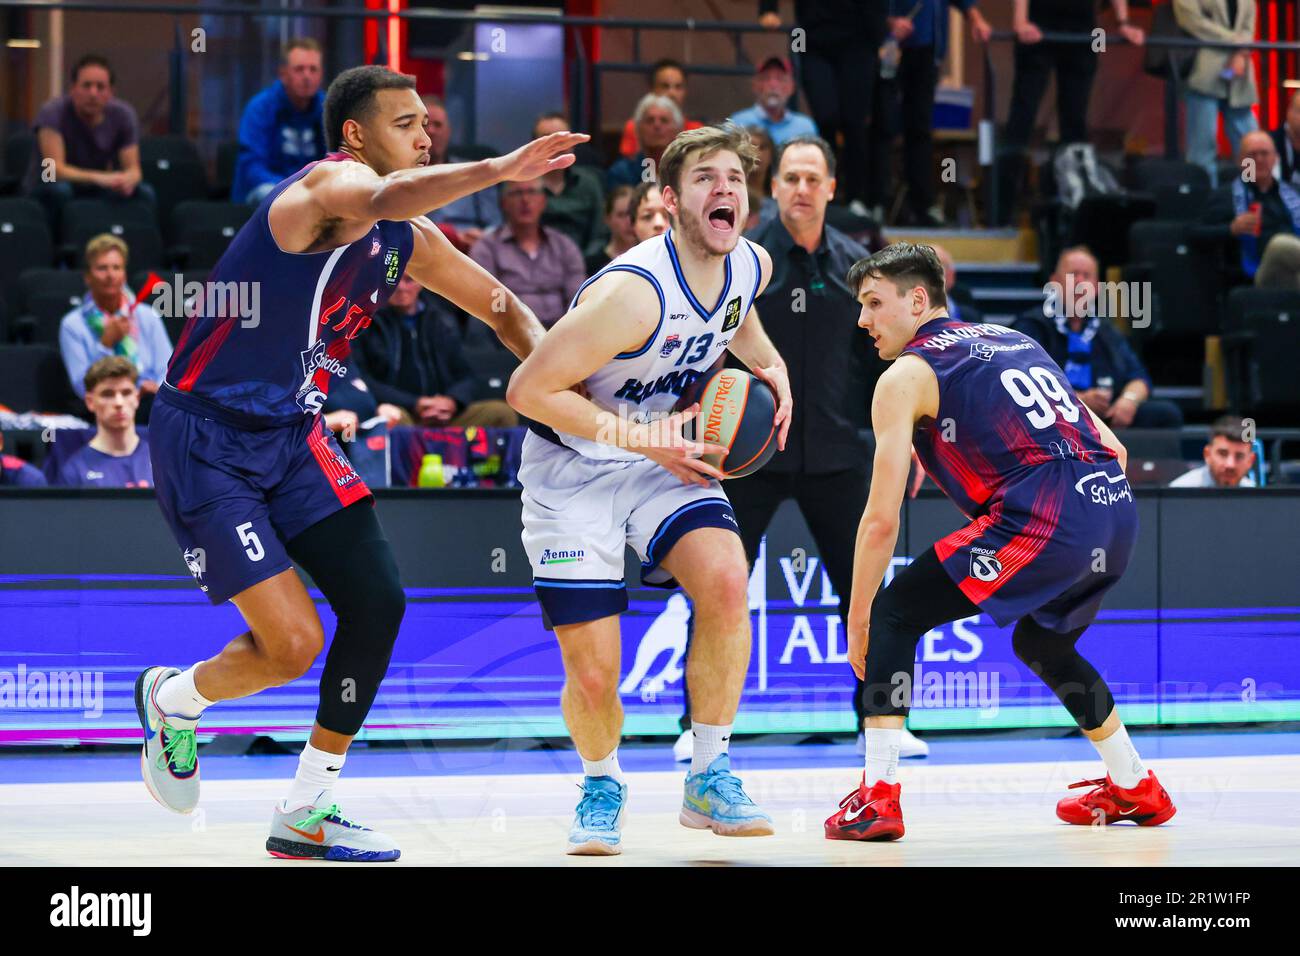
<point x="1018" y="453"/>
<point x="242" y="460"/>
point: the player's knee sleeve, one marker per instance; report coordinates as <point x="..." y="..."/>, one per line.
<point x="1055" y="659"/>
<point x="357" y="574"/>
<point x="891" y="650"/>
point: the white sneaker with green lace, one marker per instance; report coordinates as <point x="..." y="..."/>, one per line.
<point x="323" y="833"/>
<point x="169" y="760"/>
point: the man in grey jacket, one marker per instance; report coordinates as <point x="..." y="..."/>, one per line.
<point x="1222" y="80"/>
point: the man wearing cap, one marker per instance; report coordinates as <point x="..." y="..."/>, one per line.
<point x="773" y="87"/>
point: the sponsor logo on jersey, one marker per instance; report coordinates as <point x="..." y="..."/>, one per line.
<point x="562" y="556"/>
<point x="317" y="357"/>
<point x="374" y="246"/>
<point x="678" y="317"/>
<point x="392" y="266"/>
<point x="670" y="343"/>
<point x="985" y="351"/>
<point x="984" y="565"/>
<point x="349" y="474"/>
<point x="732" y="318"/>
<point x="635" y="391"/>
<point x="1103" y="489"/>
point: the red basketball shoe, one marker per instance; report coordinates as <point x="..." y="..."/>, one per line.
<point x="1147" y="804"/>
<point x="868" y="814"/>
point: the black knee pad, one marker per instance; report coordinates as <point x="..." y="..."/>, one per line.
<point x="1075" y="682"/>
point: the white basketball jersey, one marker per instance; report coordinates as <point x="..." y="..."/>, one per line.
<point x="646" y="383"/>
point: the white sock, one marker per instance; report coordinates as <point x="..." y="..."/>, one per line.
<point x="608" y="767"/>
<point x="313" y="785"/>
<point x="177" y="696"/>
<point x="882" y="754"/>
<point x="711" y="741"/>
<point x="1123" y="763"/>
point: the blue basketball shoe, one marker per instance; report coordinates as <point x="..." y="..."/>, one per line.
<point x="598" y="825"/>
<point x="716" y="801"/>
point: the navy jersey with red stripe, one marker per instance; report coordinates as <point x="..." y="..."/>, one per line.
<point x="273" y="328"/>
<point x="1005" y="408"/>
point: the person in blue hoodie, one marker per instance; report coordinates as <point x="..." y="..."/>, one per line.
<point x="282" y="131"/>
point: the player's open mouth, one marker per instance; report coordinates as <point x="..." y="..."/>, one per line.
<point x="723" y="219"/>
<point x="423" y="160"/>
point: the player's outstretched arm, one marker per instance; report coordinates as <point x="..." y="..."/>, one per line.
<point x="907" y="391"/>
<point x="345" y="199"/>
<point x="617" y="313"/>
<point x="442" y="268"/>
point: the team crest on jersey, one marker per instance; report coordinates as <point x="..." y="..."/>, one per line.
<point x="984" y="565"/>
<point x="374" y="247"/>
<point x="982" y="351"/>
<point x="732" y="318"/>
<point x="670" y="343"/>
<point x="391" y="266"/>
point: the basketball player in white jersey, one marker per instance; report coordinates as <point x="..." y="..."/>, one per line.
<point x="608" y="466"/>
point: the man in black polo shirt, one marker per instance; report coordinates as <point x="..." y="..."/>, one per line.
<point x="811" y="317"/>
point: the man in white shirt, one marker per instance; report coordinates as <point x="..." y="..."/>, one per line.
<point x="1229" y="458"/>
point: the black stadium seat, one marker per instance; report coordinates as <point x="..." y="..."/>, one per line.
<point x="18" y="150"/>
<point x="70" y="282"/>
<point x="171" y="165"/>
<point x="1151" y="172"/>
<point x="23" y="245"/>
<point x="33" y="379"/>
<point x="202" y="231"/>
<point x="46" y="310"/>
<point x="227" y="158"/>
<point x="17" y="209"/>
<point x="132" y="222"/>
<point x="1262" y="339"/>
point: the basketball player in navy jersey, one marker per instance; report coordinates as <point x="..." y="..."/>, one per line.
<point x="249" y="479"/>
<point x="997" y="426"/>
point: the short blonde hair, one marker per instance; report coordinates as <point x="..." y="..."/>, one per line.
<point x="102" y="243"/>
<point x="706" y="140"/>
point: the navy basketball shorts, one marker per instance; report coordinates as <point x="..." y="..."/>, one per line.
<point x="1049" y="548"/>
<point x="234" y="496"/>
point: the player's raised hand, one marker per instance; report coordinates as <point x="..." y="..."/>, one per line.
<point x="541" y="156"/>
<point x="664" y="441"/>
<point x="777" y="377"/>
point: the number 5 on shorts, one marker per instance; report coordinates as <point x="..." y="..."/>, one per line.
<point x="248" y="538"/>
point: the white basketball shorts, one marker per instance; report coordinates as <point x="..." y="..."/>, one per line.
<point x="581" y="513"/>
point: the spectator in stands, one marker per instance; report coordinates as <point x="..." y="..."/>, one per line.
<point x="658" y="120"/>
<point x="1105" y="373"/>
<point x="472" y="215"/>
<point x="961" y="303"/>
<point x="88" y="143"/>
<point x="539" y="264"/>
<point x="648" y="212"/>
<point x="411" y="358"/>
<point x="667" y="77"/>
<point x="109" y="322"/>
<point x="920" y="28"/>
<point x="838" y="69"/>
<point x="1222" y="82"/>
<point x="618" y="221"/>
<point x="1229" y="458"/>
<point x="118" y="456"/>
<point x="1262" y="214"/>
<point x="282" y="129"/>
<point x="773" y="86"/>
<point x="1286" y="140"/>
<point x="574" y="195"/>
<point x="1075" y="65"/>
<point x="16" y="473"/>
